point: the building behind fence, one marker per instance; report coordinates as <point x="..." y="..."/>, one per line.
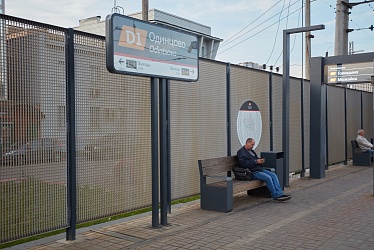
<point x="113" y="127"/>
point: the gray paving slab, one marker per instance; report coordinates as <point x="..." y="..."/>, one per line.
<point x="335" y="212"/>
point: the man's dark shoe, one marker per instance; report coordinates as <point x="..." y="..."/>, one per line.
<point x="283" y="198"/>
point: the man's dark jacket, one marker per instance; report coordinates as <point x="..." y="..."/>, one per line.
<point x="246" y="160"/>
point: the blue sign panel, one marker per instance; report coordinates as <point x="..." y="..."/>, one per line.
<point x="142" y="48"/>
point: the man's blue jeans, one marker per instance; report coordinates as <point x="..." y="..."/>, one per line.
<point x="272" y="182"/>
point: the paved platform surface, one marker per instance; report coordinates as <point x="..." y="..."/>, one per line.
<point x="336" y="212"/>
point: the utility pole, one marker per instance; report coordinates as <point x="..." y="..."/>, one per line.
<point x="341" y="28"/>
<point x="308" y="37"/>
<point x="145" y="10"/>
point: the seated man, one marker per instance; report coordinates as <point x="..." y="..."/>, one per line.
<point x="248" y="159"/>
<point x="364" y="144"/>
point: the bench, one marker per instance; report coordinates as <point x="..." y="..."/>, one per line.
<point x="359" y="158"/>
<point x="217" y="187"/>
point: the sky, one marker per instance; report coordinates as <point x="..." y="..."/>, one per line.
<point x="252" y="30"/>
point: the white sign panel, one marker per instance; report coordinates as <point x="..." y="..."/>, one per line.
<point x="142" y="48"/>
<point x="249" y="123"/>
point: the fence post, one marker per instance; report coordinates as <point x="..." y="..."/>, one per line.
<point x="228" y="111"/>
<point x="70" y="116"/>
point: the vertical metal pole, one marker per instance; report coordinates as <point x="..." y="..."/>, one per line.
<point x="317" y="142"/>
<point x="154" y="143"/>
<point x="168" y="145"/>
<point x="302" y="130"/>
<point x="327" y="131"/>
<point x="163" y="151"/>
<point x="271" y="109"/>
<point x="372" y="133"/>
<point x="70" y="116"/>
<point x="286" y="107"/>
<point x="345" y="125"/>
<point x="228" y="111"/>
<point x="362" y="112"/>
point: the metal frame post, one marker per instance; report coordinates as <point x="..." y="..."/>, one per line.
<point x="154" y="145"/>
<point x="168" y="145"/>
<point x="317" y="120"/>
<point x="70" y="116"/>
<point x="302" y="131"/>
<point x="228" y="111"/>
<point x="271" y="110"/>
<point x="163" y="150"/>
<point x="372" y="84"/>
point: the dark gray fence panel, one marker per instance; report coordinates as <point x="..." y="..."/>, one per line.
<point x="295" y="126"/>
<point x="112" y="135"/>
<point x="306" y="123"/>
<point x="353" y="117"/>
<point x="277" y="111"/>
<point x="336" y="124"/>
<point x="249" y="84"/>
<point x="33" y="129"/>
<point x="197" y="125"/>
<point x="367" y="110"/>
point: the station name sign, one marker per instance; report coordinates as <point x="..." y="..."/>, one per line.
<point x="141" y="48"/>
<point x="349" y="73"/>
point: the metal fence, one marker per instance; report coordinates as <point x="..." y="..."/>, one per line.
<point x="33" y="129"/>
<point x="113" y="127"/>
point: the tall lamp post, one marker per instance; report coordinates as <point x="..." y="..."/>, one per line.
<point x="286" y="95"/>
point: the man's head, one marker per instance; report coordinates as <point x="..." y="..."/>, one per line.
<point x="361" y="132"/>
<point x="249" y="143"/>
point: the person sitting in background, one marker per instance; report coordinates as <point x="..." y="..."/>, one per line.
<point x="363" y="143"/>
<point x="247" y="158"/>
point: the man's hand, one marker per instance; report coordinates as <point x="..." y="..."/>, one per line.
<point x="260" y="161"/>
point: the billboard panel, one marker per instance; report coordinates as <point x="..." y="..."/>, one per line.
<point x="141" y="48"/>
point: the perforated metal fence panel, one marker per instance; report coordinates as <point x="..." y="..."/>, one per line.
<point x="197" y="125"/>
<point x="367" y="111"/>
<point x="353" y="117"/>
<point x="295" y="126"/>
<point x="249" y="84"/>
<point x="33" y="129"/>
<point x="307" y="106"/>
<point x="336" y="124"/>
<point x="112" y="135"/>
<point x="277" y="112"/>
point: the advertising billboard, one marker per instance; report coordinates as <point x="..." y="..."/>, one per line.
<point x="141" y="48"/>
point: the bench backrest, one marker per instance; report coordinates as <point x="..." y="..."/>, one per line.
<point x="355" y="147"/>
<point x="217" y="165"/>
<point x="354" y="144"/>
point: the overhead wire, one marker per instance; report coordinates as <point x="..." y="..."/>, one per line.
<point x="294" y="40"/>
<point x="259" y="24"/>
<point x="276" y="35"/>
<point x="257" y="32"/>
<point x="228" y="40"/>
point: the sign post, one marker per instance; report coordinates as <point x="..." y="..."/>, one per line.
<point x="141" y="48"/>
